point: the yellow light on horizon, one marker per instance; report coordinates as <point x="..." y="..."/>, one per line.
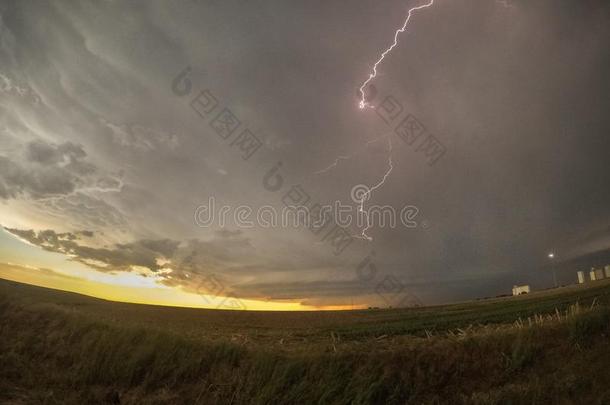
<point x="126" y="289"/>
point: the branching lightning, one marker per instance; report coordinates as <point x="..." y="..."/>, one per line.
<point x="347" y="157"/>
<point x="333" y="165"/>
<point x="367" y="194"/>
<point x="363" y="103"/>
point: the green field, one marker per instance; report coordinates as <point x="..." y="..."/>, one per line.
<point x="547" y="347"/>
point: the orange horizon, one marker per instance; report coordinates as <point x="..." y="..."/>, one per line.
<point x="158" y="296"/>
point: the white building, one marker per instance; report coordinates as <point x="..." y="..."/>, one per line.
<point x="599" y="274"/>
<point x="521" y="289"/>
<point x="607" y="271"/>
<point x="581" y="277"/>
<point x="592" y="275"/>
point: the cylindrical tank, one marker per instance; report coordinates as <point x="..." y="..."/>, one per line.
<point x="599" y="274"/>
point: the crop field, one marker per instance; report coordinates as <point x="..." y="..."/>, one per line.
<point x="546" y="347"/>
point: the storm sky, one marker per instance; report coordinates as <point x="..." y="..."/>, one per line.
<point x="104" y="160"/>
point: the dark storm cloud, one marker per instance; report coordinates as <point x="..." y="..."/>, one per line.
<point x="47" y="169"/>
<point x="92" y="136"/>
<point x="120" y="257"/>
<point x="45" y="154"/>
<point x="228" y="256"/>
<point x="35" y="182"/>
<point x="194" y="256"/>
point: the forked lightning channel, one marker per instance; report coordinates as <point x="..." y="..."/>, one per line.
<point x="364" y="104"/>
<point x="373" y="74"/>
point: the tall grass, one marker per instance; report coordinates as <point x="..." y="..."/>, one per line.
<point x="51" y="355"/>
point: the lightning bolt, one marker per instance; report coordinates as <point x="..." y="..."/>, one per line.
<point x="333" y="165"/>
<point x="367" y="194"/>
<point x="363" y="103"/>
<point x="347" y="157"/>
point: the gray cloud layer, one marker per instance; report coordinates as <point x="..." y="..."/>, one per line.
<point x="92" y="137"/>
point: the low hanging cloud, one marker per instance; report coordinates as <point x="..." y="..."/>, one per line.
<point x="185" y="259"/>
<point x="120" y="257"/>
<point x="228" y="256"/>
<point x="48" y="170"/>
<point x="64" y="154"/>
<point x="17" y="180"/>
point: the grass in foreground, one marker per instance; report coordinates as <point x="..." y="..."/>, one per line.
<point x="58" y="347"/>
